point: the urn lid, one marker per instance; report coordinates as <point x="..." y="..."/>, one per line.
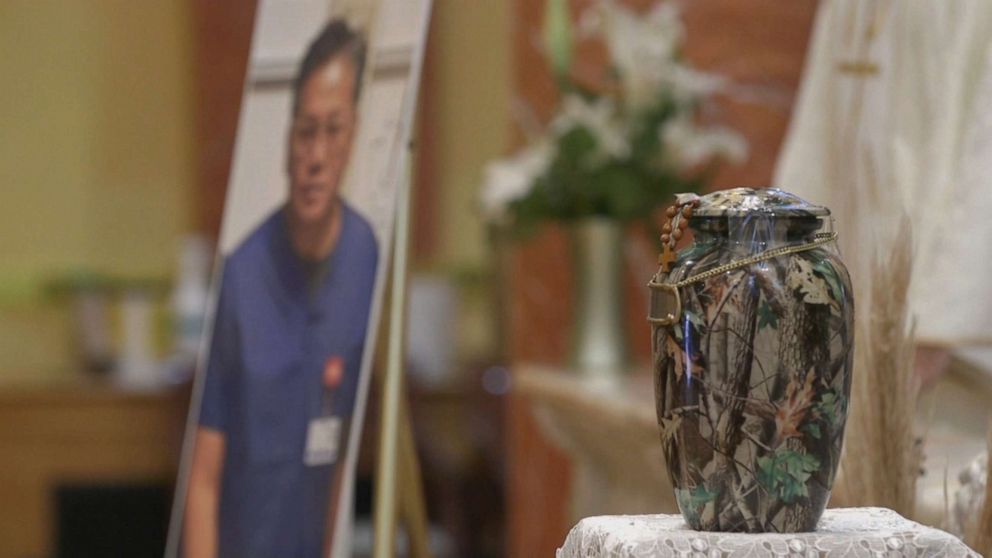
<point x="738" y="202"/>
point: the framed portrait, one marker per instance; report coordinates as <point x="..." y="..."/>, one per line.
<point x="280" y="393"/>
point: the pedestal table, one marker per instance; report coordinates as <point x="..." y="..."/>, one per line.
<point x="842" y="532"/>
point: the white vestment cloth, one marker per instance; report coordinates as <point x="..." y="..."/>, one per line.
<point x="894" y="117"/>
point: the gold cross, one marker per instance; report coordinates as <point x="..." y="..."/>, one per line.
<point x="666" y="258"/>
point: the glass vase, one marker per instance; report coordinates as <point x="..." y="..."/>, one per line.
<point x="598" y="345"/>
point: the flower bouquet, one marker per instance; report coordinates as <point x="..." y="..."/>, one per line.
<point x="621" y="143"/>
<point x="623" y="140"/>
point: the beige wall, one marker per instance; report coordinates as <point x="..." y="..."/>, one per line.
<point x="96" y="168"/>
<point x="472" y="65"/>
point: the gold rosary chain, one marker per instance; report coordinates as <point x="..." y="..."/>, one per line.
<point x="819" y="240"/>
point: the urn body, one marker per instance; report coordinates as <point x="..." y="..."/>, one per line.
<point x="752" y="378"/>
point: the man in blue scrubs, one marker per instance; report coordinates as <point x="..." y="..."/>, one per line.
<point x="288" y="339"/>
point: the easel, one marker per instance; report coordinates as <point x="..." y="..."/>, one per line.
<point x="397" y="479"/>
<point x="398" y="468"/>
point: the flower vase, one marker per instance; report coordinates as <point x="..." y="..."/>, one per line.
<point x="598" y="345"/>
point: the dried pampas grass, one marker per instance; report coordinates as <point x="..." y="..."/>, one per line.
<point x="980" y="536"/>
<point x="882" y="460"/>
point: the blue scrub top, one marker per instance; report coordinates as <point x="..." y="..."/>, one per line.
<point x="273" y="334"/>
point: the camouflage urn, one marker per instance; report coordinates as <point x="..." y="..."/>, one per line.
<point x="752" y="336"/>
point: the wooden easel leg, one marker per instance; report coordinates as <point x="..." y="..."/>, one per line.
<point x="397" y="453"/>
<point x="412" y="503"/>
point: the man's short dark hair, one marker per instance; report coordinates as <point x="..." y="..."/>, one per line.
<point x="336" y="39"/>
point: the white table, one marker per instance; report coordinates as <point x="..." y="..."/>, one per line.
<point x="842" y="532"/>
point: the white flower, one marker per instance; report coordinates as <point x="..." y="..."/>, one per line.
<point x="635" y="38"/>
<point x="690" y="145"/>
<point x="688" y="84"/>
<point x="643" y="48"/>
<point x="600" y="117"/>
<point x="509" y="179"/>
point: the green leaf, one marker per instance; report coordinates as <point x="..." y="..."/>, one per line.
<point x="574" y="146"/>
<point x="829" y="274"/>
<point x="786" y="472"/>
<point x="618" y="190"/>
<point x="831" y="407"/>
<point x="558" y="36"/>
<point x="692" y="500"/>
<point x="767" y="316"/>
<point x="812" y="429"/>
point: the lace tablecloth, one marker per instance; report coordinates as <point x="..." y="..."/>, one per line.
<point x="842" y="532"/>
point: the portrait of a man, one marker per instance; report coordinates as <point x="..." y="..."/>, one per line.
<point x="288" y="338"/>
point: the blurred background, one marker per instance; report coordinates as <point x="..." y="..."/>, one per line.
<point x="117" y="125"/>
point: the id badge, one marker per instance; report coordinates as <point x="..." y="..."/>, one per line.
<point x="323" y="437"/>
